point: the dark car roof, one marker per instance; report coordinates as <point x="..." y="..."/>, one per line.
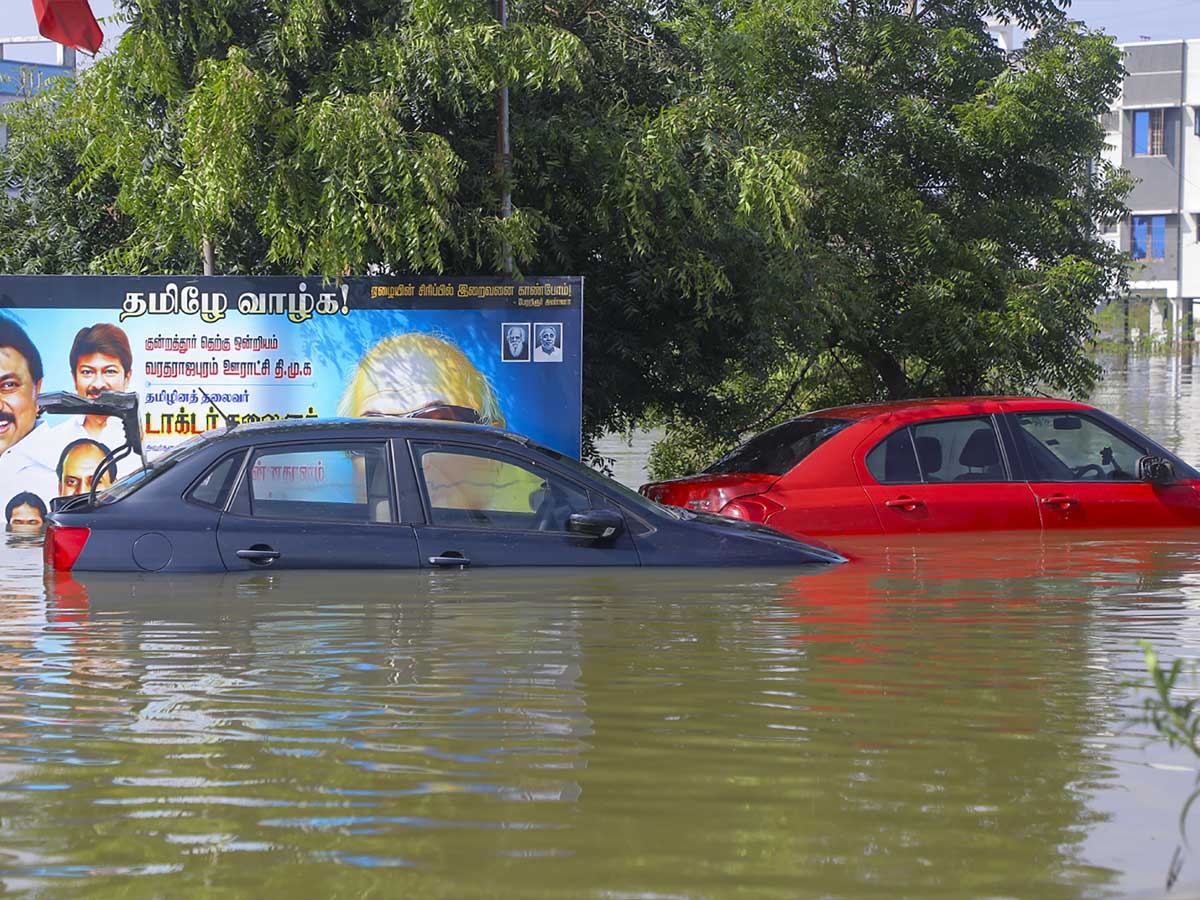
<point x="300" y="427"/>
<point x="943" y="406"/>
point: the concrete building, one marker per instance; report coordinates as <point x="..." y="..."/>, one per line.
<point x="17" y="74"/>
<point x="1003" y="33"/>
<point x="1153" y="131"/>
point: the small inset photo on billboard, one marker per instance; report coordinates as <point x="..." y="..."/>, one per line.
<point x="514" y="342"/>
<point x="547" y="342"/>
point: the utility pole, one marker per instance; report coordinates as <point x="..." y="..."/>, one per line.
<point x="503" y="149"/>
<point x="209" y="257"/>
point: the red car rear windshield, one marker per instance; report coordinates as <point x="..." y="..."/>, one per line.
<point x="778" y="449"/>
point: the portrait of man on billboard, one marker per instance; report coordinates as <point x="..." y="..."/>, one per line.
<point x="101" y="360"/>
<point x="25" y="514"/>
<point x="514" y="342"/>
<point x="77" y="468"/>
<point x="549" y="342"/>
<point x="22" y="462"/>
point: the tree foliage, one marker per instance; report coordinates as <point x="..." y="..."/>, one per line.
<point x="804" y="201"/>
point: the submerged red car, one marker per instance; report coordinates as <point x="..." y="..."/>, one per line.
<point x="961" y="464"/>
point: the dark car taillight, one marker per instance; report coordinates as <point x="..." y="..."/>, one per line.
<point x="63" y="546"/>
<point x="755" y="508"/>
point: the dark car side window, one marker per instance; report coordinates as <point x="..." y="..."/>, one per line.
<point x="478" y="490"/>
<point x="1065" y="446"/>
<point x="942" y="450"/>
<point x="778" y="450"/>
<point x="893" y="460"/>
<point x="214" y="485"/>
<point x="331" y="483"/>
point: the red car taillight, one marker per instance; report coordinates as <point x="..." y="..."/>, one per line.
<point x="63" y="546"/>
<point x="755" y="508"/>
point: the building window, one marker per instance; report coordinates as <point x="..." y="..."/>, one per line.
<point x="1148" y="132"/>
<point x="1149" y="237"/>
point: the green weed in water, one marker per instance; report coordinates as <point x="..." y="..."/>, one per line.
<point x="1178" y="722"/>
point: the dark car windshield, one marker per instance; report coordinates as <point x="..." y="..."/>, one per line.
<point x="778" y="449"/>
<point x="143" y="476"/>
<point x="630" y="496"/>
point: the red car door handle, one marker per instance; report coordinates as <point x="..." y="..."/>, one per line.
<point x="1061" y="500"/>
<point x="904" y="503"/>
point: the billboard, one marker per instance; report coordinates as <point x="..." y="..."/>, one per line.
<point x="497" y="351"/>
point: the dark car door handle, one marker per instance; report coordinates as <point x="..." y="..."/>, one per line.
<point x="904" y="503"/>
<point x="450" y="559"/>
<point x="258" y="554"/>
<point x="1059" y="500"/>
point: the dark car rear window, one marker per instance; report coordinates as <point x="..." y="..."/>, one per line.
<point x="778" y="449"/>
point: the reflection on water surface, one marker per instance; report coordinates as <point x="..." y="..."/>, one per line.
<point x="944" y="717"/>
<point x="936" y="719"/>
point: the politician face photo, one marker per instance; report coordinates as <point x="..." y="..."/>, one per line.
<point x="20" y="383"/>
<point x="101" y="360"/>
<point x="77" y="468"/>
<point x="549" y="342"/>
<point x="515" y="342"/>
<point x="25" y="514"/>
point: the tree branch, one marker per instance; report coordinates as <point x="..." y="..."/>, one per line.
<point x="753" y="426"/>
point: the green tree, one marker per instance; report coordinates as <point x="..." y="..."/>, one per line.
<point x="948" y="242"/>
<point x="776" y="203"/>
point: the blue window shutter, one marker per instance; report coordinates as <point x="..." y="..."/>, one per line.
<point x="1138" y="249"/>
<point x="1158" y="237"/>
<point x="1141" y="132"/>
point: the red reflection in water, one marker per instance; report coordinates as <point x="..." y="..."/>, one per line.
<point x="974" y="580"/>
<point x="66" y="598"/>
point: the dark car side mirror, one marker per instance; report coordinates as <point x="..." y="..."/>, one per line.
<point x="1155" y="470"/>
<point x="603" y="524"/>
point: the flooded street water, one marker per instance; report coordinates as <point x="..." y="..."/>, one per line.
<point x="949" y="717"/>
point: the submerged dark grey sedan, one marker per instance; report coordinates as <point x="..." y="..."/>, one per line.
<point x="388" y="493"/>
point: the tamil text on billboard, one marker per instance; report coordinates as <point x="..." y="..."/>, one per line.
<point x="495" y="351"/>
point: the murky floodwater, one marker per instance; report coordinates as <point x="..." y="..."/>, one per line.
<point x="948" y="718"/>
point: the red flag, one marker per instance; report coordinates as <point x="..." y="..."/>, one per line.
<point x="68" y="22"/>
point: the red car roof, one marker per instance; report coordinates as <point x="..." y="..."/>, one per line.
<point x="948" y="406"/>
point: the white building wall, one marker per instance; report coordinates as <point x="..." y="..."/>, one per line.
<point x="1189" y="256"/>
<point x="1189" y="218"/>
<point x="1192" y="75"/>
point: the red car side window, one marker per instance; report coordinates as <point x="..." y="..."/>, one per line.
<point x="942" y="450"/>
<point x="1065" y="446"/>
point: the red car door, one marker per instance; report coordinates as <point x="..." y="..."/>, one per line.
<point x="1084" y="474"/>
<point x="947" y="474"/>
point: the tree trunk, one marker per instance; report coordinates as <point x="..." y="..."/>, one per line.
<point x="890" y="372"/>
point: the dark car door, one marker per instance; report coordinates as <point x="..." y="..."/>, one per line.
<point x="488" y="507"/>
<point x="948" y="474"/>
<point x="328" y="505"/>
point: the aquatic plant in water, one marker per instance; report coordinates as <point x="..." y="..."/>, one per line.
<point x="1177" y="721"/>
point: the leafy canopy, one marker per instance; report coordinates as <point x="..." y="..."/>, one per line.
<point x="776" y="203"/>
